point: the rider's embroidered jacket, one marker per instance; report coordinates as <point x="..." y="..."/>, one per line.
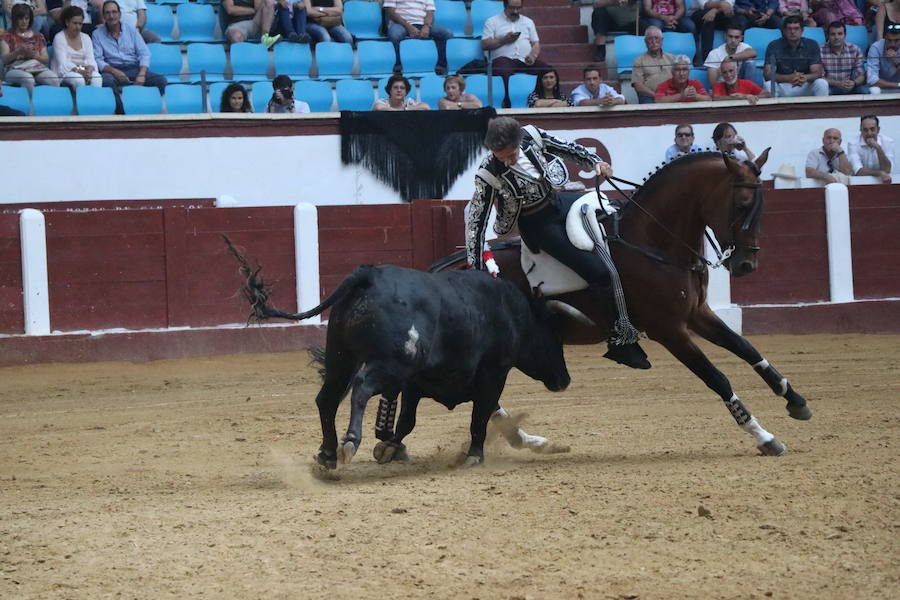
<point x="511" y="191"/>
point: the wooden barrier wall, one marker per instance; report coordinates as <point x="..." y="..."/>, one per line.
<point x="12" y="318"/>
<point x="875" y="238"/>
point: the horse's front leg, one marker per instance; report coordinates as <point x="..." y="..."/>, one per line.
<point x="711" y="327"/>
<point x="679" y="343"/>
<point x="518" y="438"/>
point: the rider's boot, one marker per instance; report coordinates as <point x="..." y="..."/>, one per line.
<point x="622" y="348"/>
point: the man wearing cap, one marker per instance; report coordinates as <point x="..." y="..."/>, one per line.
<point x="829" y="162"/>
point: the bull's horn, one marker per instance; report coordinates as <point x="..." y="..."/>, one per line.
<point x="562" y="308"/>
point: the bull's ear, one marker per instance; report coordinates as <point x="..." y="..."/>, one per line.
<point x="761" y="159"/>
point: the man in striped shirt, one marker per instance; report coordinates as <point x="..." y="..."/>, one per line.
<point x="843" y="63"/>
<point x="415" y="19"/>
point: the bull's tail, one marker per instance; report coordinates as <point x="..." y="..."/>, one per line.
<point x="257" y="292"/>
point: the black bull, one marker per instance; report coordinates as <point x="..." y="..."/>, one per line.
<point x="452" y="336"/>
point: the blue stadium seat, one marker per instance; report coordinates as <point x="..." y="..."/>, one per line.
<point x="171" y="1"/>
<point x="760" y="38"/>
<point x="17" y="98"/>
<point x="628" y="48"/>
<point x="376" y="58"/>
<point x="482" y="10"/>
<point x="334" y="60"/>
<point x="451" y="14"/>
<point x="260" y="95"/>
<point x="160" y="20"/>
<point x="184" y="99"/>
<point x="678" y="43"/>
<point x="315" y="93"/>
<point x="701" y="75"/>
<point x="293" y="60"/>
<point x="354" y="94"/>
<point x="196" y="23"/>
<point x="363" y="19"/>
<point x="857" y="34"/>
<point x="51" y="101"/>
<point x="206" y="57"/>
<point x="431" y="88"/>
<point x="815" y="33"/>
<point x="249" y="62"/>
<point x="165" y="59"/>
<point x="477" y="85"/>
<point x="418" y="56"/>
<point x="92" y="100"/>
<point x="519" y="86"/>
<point x="462" y="51"/>
<point x="141" y="100"/>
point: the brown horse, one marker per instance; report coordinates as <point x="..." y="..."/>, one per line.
<point x="658" y="252"/>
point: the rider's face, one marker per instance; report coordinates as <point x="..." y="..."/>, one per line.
<point x="508" y="156"/>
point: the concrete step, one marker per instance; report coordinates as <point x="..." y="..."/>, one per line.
<point x="555" y="3"/>
<point x="567" y="54"/>
<point x="552" y="15"/>
<point x="563" y="34"/>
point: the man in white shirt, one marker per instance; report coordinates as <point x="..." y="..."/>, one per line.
<point x="734" y="46"/>
<point x="829" y="162"/>
<point x="513" y="44"/>
<point x="134" y="13"/>
<point x="415" y="19"/>
<point x="593" y="92"/>
<point x="872" y="154"/>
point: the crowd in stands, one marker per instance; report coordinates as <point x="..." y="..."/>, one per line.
<point x="115" y="54"/>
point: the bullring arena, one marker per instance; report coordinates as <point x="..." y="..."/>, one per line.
<point x="155" y="447"/>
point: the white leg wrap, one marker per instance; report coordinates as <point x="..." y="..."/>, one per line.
<point x="755" y="429"/>
<point x="501" y="413"/>
<point x="761" y="365"/>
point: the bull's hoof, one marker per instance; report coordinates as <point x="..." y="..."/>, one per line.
<point x="772" y="448"/>
<point x="323" y="460"/>
<point x="385" y="452"/>
<point x="345" y="452"/>
<point x="801" y="412"/>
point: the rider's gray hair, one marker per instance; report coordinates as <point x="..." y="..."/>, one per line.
<point x="503" y="132"/>
<point x="682" y="59"/>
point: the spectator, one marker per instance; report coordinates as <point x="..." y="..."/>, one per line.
<point x="593" y="92"/>
<point x="6" y="111"/>
<point x="398" y="88"/>
<point x="290" y="21"/>
<point x="732" y="88"/>
<point x="668" y="15"/>
<point x="713" y="15"/>
<point x="55" y="8"/>
<point x="248" y="19"/>
<point x="680" y="88"/>
<point x="829" y="162"/>
<point x="415" y="19"/>
<point x="872" y="153"/>
<point x="684" y="142"/>
<point x="24" y="52"/>
<point x="121" y="54"/>
<point x="235" y="99"/>
<point x="799" y="8"/>
<point x="652" y="67"/>
<point x="326" y="21"/>
<point x="283" y="100"/>
<point x="727" y="140"/>
<point x="887" y="15"/>
<point x="39" y="16"/>
<point x="512" y="40"/>
<point x="611" y="15"/>
<point x="134" y="13"/>
<point x="73" y="52"/>
<point x="797" y="61"/>
<point x="756" y="13"/>
<point x="845" y="11"/>
<point x="883" y="63"/>
<point x="735" y="48"/>
<point x="843" y="63"/>
<point x="547" y="94"/>
<point x="456" y="98"/>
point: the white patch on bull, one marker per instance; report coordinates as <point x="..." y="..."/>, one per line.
<point x="410" y="346"/>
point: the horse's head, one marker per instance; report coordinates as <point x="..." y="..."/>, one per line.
<point x="738" y="229"/>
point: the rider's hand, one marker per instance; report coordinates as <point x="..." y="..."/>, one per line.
<point x="603" y="169"/>
<point x="488" y="257"/>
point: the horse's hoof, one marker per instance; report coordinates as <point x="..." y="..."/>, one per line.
<point x="386" y="452"/>
<point x="772" y="448"/>
<point x="551" y="448"/>
<point x="473" y="461"/>
<point x="800" y="412"/>
<point x="346" y="452"/>
<point x="324" y="461"/>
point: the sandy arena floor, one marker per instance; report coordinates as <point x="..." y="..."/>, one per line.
<point x="193" y="479"/>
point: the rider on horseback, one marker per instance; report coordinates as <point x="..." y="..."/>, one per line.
<point x="521" y="177"/>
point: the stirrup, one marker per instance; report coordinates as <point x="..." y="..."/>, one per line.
<point x="630" y="355"/>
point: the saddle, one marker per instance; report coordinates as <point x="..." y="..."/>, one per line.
<point x="548" y="274"/>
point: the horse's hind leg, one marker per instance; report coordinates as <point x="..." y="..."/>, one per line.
<point x="680" y="345"/>
<point x="711" y="327"/>
<point x="394" y="449"/>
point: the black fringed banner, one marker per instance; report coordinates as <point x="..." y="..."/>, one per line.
<point x="418" y="153"/>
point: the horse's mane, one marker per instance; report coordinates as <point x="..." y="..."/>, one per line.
<point x="674" y="164"/>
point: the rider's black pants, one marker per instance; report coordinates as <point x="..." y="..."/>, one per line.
<point x="545" y="231"/>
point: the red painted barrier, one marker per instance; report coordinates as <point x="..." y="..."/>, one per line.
<point x="12" y="318"/>
<point x="875" y="240"/>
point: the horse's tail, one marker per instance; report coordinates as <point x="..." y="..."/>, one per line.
<point x="257" y="292"/>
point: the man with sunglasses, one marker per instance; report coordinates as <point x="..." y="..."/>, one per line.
<point x="883" y="62"/>
<point x="829" y="163"/>
<point x="684" y="142"/>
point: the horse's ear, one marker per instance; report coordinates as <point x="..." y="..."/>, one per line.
<point x="761" y="159"/>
